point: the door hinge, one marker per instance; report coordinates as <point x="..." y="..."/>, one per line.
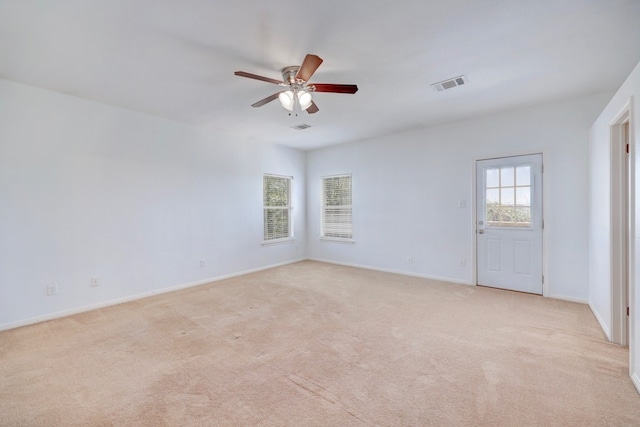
<point x="627" y="148"/>
<point x="543" y="224"/>
<point x="627" y="311"/>
<point x="542" y="168"/>
<point x="543" y="279"/>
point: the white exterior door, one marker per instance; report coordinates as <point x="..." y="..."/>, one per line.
<point x="509" y="223"/>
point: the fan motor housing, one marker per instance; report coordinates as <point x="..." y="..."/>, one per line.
<point x="289" y="74"/>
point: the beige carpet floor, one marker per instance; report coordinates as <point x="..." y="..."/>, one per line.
<point x="313" y="344"/>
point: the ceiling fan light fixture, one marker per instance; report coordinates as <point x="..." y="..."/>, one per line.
<point x="286" y="99"/>
<point x="304" y="98"/>
<point x="298" y="92"/>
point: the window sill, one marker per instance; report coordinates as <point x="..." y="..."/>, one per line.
<point x="337" y="240"/>
<point x="278" y="241"/>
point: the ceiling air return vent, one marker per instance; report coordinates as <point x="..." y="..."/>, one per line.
<point x="301" y="126"/>
<point x="449" y="83"/>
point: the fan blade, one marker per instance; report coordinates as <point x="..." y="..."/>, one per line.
<point x="328" y="87"/>
<point x="308" y="67"/>
<point x="257" y="77"/>
<point x="313" y="108"/>
<point x="267" y="100"/>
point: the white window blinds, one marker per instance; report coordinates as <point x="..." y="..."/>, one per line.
<point x="336" y="208"/>
<point x="277" y="207"/>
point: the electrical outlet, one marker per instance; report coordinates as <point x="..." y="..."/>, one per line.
<point x="95" y="281"/>
<point x="202" y="263"/>
<point x="409" y="259"/>
<point x="52" y="289"/>
<point x="463" y="262"/>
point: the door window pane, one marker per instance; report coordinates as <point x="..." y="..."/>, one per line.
<point x="523" y="196"/>
<point x="523" y="175"/>
<point x="507" y="177"/>
<point x="494" y="213"/>
<point x="493" y="195"/>
<point x="508" y="196"/>
<point x="508" y="215"/>
<point x="523" y="215"/>
<point x="493" y="178"/>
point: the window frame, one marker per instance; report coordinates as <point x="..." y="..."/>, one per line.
<point x="324" y="207"/>
<point x="500" y="224"/>
<point x="288" y="207"/>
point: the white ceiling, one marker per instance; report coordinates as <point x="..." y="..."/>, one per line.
<point x="176" y="59"/>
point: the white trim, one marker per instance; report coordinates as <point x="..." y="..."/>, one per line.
<point x="439" y="278"/>
<point x="636" y="381"/>
<point x="337" y="175"/>
<point x="602" y="323"/>
<point x="77" y="310"/>
<point x="278" y="176"/>
<point x="633" y="315"/>
<point x="546" y="285"/>
<point x="566" y="298"/>
<point x="278" y="241"/>
<point x="337" y="240"/>
<point x="620" y="188"/>
<point x="619" y="118"/>
<point x="389" y="270"/>
<point x="474" y="225"/>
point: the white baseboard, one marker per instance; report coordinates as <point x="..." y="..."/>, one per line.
<point x="432" y="277"/>
<point x="636" y="381"/>
<point x="601" y="321"/>
<point x="566" y="298"/>
<point x="404" y="273"/>
<point x="103" y="304"/>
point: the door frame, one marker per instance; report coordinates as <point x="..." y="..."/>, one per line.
<point x="474" y="213"/>
<point x="622" y="225"/>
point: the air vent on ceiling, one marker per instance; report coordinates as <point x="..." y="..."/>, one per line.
<point x="449" y="83"/>
<point x="301" y="126"/>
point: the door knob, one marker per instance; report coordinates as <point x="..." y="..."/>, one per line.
<point x="481" y="231"/>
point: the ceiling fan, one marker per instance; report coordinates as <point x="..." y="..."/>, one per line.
<point x="298" y="89"/>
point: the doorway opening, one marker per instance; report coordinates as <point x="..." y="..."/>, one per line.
<point x="620" y="227"/>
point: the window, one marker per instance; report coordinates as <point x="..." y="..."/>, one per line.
<point x="277" y="208"/>
<point x="336" y="208"/>
<point x="508" y="196"/>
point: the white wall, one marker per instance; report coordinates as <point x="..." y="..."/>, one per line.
<point x="407" y="187"/>
<point x="88" y="190"/>
<point x="599" y="211"/>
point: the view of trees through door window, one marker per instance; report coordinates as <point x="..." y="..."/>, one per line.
<point x="508" y="196"/>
